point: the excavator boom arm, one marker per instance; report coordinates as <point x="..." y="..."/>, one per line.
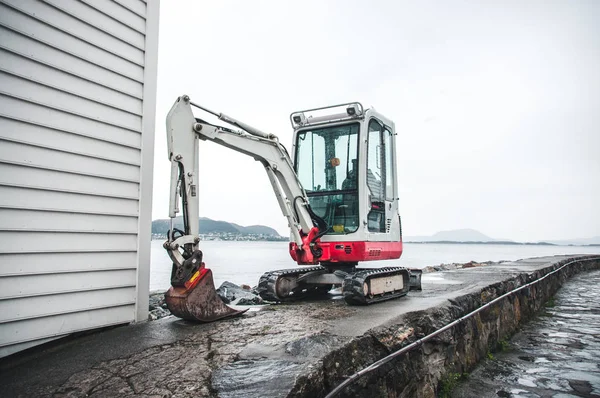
<point x="183" y="133"/>
<point x="192" y="295"/>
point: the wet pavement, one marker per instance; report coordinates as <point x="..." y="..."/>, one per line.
<point x="557" y="354"/>
<point x="260" y="354"/>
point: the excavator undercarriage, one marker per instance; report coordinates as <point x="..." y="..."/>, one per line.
<point x="359" y="286"/>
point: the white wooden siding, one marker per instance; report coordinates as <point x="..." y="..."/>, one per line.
<point x="77" y="98"/>
<point x="49" y="263"/>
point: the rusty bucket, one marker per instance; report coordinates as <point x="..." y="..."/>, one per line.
<point x="198" y="300"/>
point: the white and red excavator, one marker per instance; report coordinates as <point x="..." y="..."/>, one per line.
<point x="338" y="192"/>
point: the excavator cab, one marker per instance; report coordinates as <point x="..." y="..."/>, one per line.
<point x="346" y="162"/>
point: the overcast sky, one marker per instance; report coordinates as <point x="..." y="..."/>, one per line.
<point x="496" y="103"/>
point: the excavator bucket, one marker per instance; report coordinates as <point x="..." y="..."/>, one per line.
<point x="198" y="299"/>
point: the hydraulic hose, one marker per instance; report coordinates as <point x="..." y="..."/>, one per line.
<point x="318" y="221"/>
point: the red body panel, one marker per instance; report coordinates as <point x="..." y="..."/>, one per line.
<point x="348" y="252"/>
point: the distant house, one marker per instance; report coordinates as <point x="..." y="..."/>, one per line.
<point x="77" y="113"/>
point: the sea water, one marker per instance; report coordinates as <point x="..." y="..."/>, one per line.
<point x="244" y="262"/>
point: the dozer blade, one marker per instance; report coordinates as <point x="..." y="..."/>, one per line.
<point x="415" y="278"/>
<point x="199" y="301"/>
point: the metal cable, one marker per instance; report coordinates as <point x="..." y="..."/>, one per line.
<point x="350" y="380"/>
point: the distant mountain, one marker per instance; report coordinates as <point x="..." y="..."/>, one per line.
<point x="456" y="235"/>
<point x="255" y="229"/>
<point x="471" y="235"/>
<point x="208" y="226"/>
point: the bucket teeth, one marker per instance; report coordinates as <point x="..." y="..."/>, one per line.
<point x="199" y="303"/>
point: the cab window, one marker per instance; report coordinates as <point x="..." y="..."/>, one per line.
<point x="376" y="176"/>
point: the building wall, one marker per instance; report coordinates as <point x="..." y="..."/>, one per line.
<point x="77" y="110"/>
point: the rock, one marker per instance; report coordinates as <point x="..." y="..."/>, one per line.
<point x="314" y="346"/>
<point x="253" y="301"/>
<point x="158" y="313"/>
<point x="453" y="266"/>
<point x="156" y="300"/>
<point x="448" y="267"/>
<point x="237" y="295"/>
<point x="582" y="387"/>
<point x="255" y="378"/>
<point x="157" y="307"/>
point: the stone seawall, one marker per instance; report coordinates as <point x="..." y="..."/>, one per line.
<point x="425" y="371"/>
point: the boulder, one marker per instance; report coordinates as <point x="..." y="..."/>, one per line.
<point x="231" y="293"/>
<point x="256" y="300"/>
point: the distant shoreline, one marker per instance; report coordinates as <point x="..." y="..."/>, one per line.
<point x="450" y="242"/>
<point x="232" y="238"/>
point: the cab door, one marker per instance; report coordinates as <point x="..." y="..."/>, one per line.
<point x="381" y="179"/>
<point x="392" y="221"/>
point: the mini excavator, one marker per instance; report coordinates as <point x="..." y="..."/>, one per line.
<point x="338" y="192"/>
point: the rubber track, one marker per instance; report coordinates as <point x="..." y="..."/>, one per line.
<point x="268" y="281"/>
<point x="352" y="288"/>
